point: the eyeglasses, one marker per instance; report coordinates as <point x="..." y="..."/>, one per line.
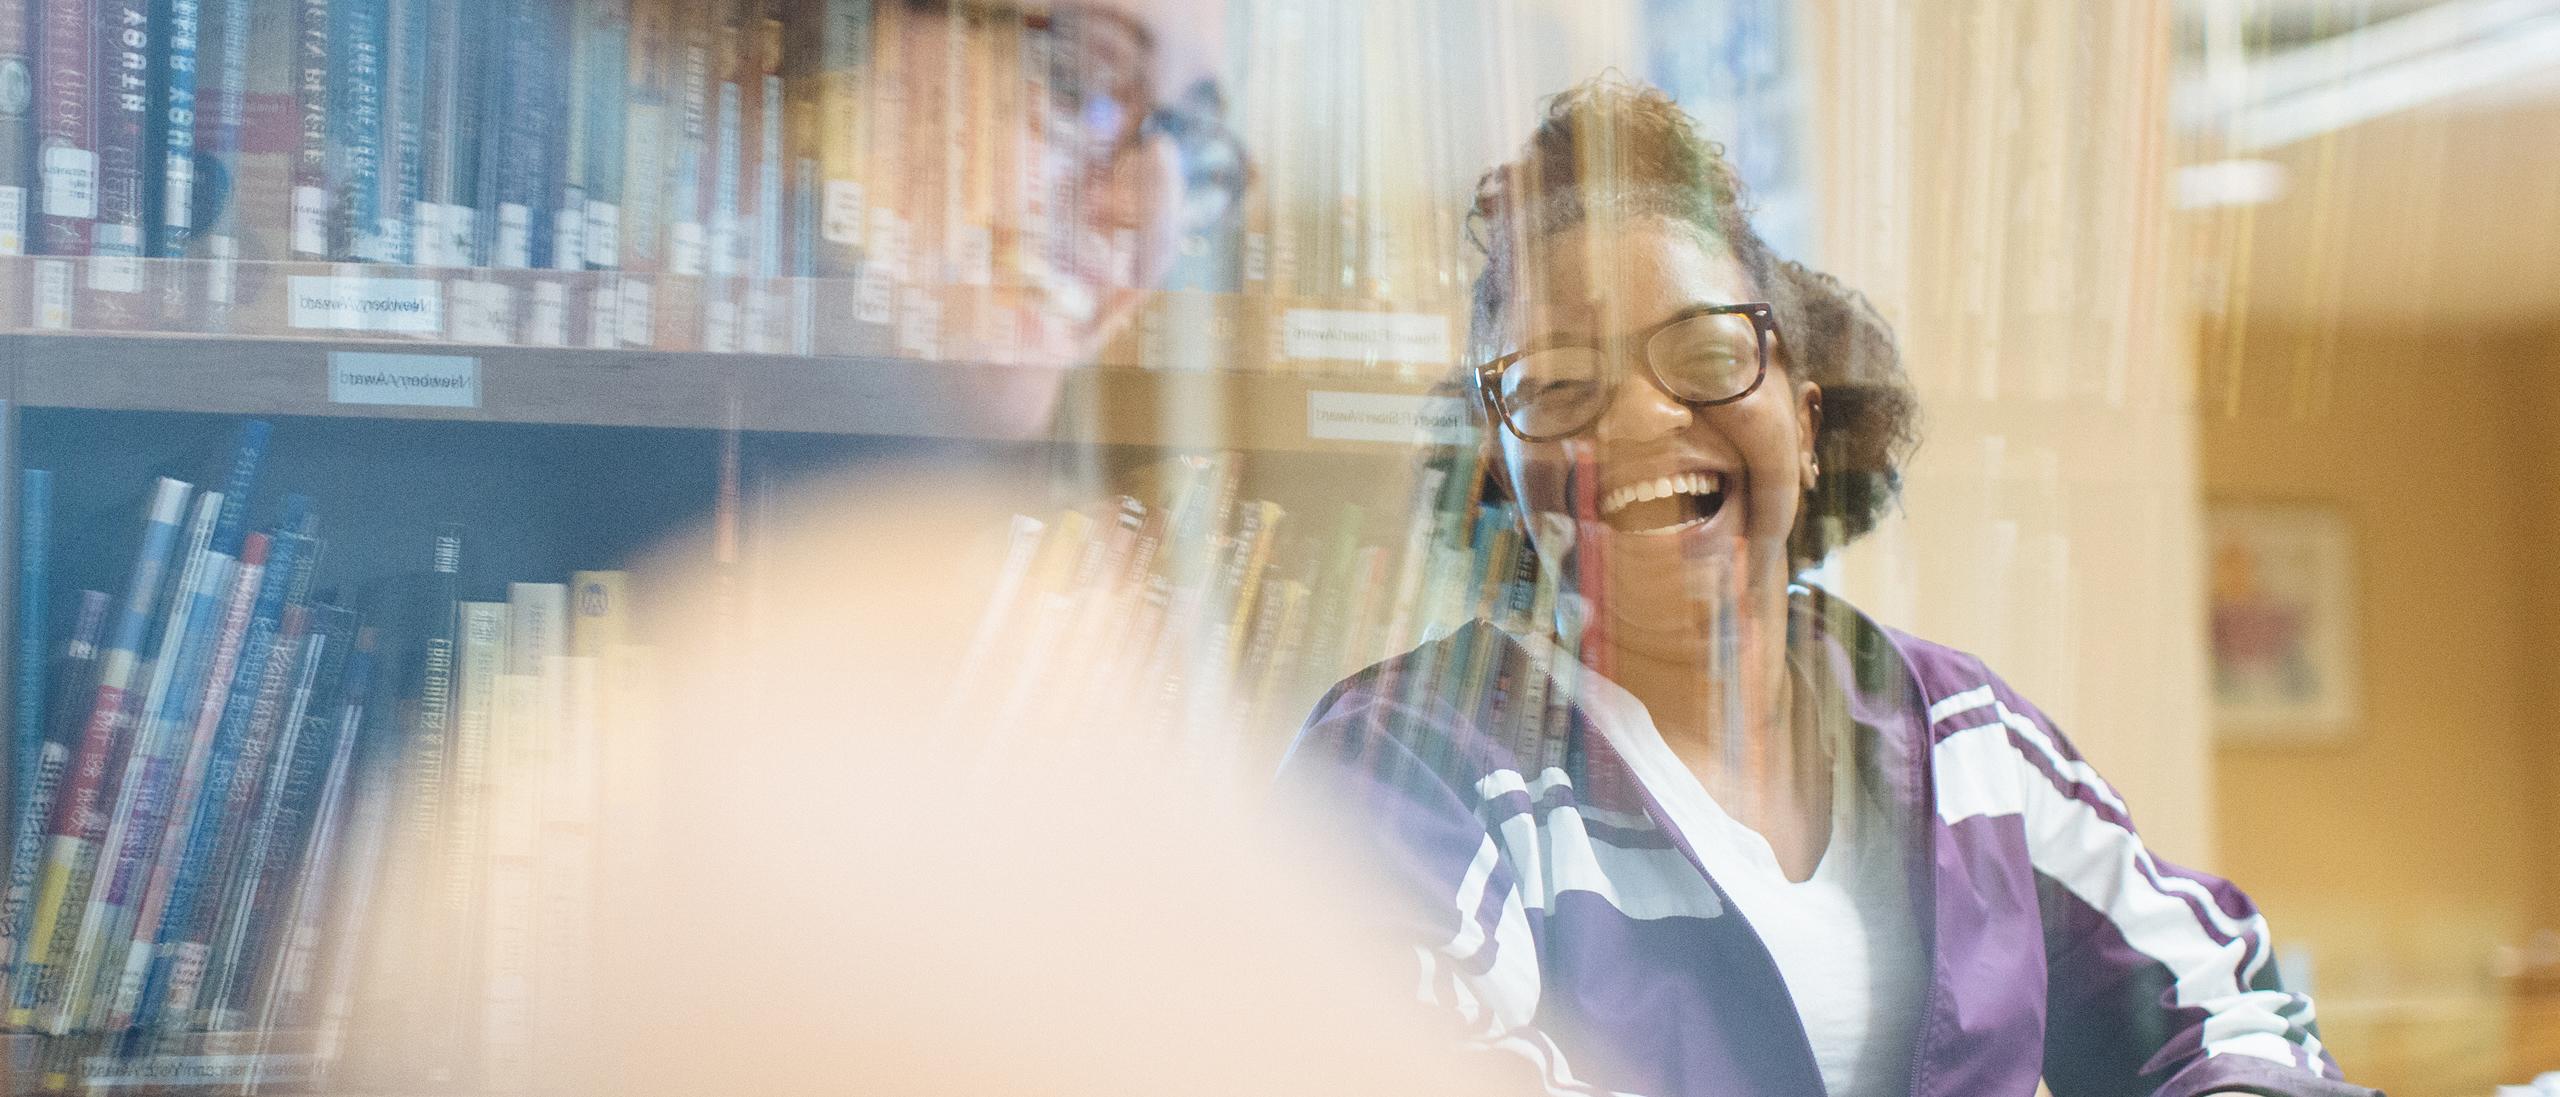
<point x="1702" y="357"/>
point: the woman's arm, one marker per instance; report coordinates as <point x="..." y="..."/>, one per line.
<point x="1455" y="913"/>
<point x="2161" y="979"/>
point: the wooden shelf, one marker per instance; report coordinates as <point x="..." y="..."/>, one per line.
<point x="1101" y="405"/>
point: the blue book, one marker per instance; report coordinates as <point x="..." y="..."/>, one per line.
<point x="80" y="818"/>
<point x="604" y="67"/>
<point x="27" y="730"/>
<point x="355" y="127"/>
<point x="151" y="770"/>
<point x="205" y="821"/>
<point x="171" y="134"/>
<point x="408" y="42"/>
<point x="238" y="485"/>
<point x="221" y="101"/>
<point x="35" y="538"/>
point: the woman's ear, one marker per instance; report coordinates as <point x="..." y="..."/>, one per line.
<point x="1808" y="434"/>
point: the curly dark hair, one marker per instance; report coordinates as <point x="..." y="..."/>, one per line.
<point x="1616" y="149"/>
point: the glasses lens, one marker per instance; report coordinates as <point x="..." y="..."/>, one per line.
<point x="1555" y="392"/>
<point x="1707" y="358"/>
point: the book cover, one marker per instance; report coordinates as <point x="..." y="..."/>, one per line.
<point x="79" y="816"/>
<point x="66" y="126"/>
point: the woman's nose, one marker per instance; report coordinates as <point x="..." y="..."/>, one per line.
<point x="1639" y="411"/>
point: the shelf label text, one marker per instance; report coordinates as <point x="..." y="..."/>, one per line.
<point x="403" y="306"/>
<point x="414" y="380"/>
<point x="1421" y="338"/>
<point x="1398" y="418"/>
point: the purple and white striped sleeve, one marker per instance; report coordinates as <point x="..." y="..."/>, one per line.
<point x="1453" y="900"/>
<point x="2160" y="978"/>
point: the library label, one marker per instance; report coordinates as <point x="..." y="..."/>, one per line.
<point x="404" y="306"/>
<point x="1345" y="335"/>
<point x="415" y="380"/>
<point x="1399" y="418"/>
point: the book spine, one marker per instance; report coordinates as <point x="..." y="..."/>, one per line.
<point x="74" y="677"/>
<point x="170" y="138"/>
<point x="654" y="56"/>
<point x="355" y="127"/>
<point x="407" y="45"/>
<point x="229" y="819"/>
<point x="17" y="123"/>
<point x="762" y="178"/>
<point x="293" y="973"/>
<point x="124" y="110"/>
<point x="730" y="61"/>
<point x="222" y="824"/>
<point x="312" y="210"/>
<point x="690" y="171"/>
<point x="512" y="135"/>
<point x="820" y="77"/>
<point x="288" y="819"/>
<point x="605" y="35"/>
<point x="136" y="809"/>
<point x="270" y="822"/>
<point x="211" y="209"/>
<point x="26" y="730"/>
<point x="448" y="158"/>
<point x="66" y="126"/>
<point x="558" y="233"/>
<point x="369" y="835"/>
<point x="230" y="641"/>
<point x="78" y="819"/>
<point x="431" y="734"/>
<point x="239" y="711"/>
<point x="240" y="482"/>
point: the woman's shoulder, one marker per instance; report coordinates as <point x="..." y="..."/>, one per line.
<point x="1459" y="701"/>
<point x="1944" y="687"/>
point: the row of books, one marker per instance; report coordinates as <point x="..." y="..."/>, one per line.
<point x="883" y="150"/>
<point x="228" y="780"/>
<point x="1212" y="622"/>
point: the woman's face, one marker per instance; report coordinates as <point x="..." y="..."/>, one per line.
<point x="1683" y="504"/>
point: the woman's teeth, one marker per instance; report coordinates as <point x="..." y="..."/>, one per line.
<point x="1664" y="502"/>
<point x="1661" y="487"/>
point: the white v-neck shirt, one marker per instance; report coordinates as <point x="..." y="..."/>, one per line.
<point x="1845" y="939"/>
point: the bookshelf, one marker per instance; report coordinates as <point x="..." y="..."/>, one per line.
<point x="849" y="395"/>
<point x="578" y="278"/>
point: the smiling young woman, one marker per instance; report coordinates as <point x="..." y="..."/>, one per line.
<point x="1769" y="845"/>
